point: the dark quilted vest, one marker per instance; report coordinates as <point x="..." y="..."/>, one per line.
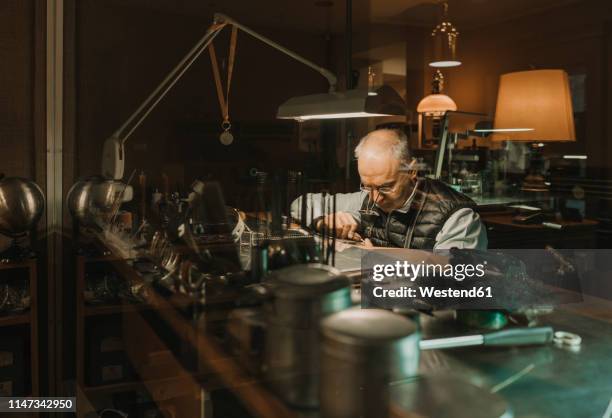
<point x="433" y="203"/>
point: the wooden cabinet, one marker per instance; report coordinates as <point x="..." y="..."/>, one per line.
<point x="137" y="364"/>
<point x="23" y="326"/>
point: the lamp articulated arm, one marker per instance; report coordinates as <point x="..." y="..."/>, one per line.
<point x="113" y="152"/>
<point x="166" y="85"/>
<point x="331" y="77"/>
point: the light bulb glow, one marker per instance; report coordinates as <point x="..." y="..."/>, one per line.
<point x="339" y="116"/>
<point x="444" y="64"/>
<point x="503" y="130"/>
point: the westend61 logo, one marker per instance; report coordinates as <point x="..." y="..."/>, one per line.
<point x="411" y="271"/>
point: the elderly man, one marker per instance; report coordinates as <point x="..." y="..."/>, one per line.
<point x="395" y="208"/>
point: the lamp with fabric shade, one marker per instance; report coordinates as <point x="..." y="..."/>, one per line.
<point x="538" y="102"/>
<point x="537" y="105"/>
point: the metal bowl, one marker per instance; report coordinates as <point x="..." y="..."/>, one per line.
<point x="79" y="200"/>
<point x="94" y="195"/>
<point x="21" y="205"/>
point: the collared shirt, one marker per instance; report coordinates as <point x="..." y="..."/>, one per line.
<point x="463" y="229"/>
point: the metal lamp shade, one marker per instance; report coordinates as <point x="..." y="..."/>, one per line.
<point x="444" y="38"/>
<point x="538" y="100"/>
<point x="92" y="196"/>
<point x="384" y="101"/>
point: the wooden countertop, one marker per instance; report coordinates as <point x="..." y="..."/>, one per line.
<point x="506" y="220"/>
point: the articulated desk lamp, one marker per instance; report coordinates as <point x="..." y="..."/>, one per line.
<point x="383" y="101"/>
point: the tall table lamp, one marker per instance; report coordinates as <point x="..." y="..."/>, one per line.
<point x="536" y="107"/>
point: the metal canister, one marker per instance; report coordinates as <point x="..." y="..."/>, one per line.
<point x="362" y="352"/>
<point x="300" y="296"/>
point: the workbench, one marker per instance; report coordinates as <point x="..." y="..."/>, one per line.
<point x="558" y="382"/>
<point x="178" y="355"/>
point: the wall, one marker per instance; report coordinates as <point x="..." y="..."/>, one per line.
<point x="22" y="93"/>
<point x="16" y="88"/>
<point x="116" y="68"/>
<point x="122" y="52"/>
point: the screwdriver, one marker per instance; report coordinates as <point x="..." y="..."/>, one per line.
<point x="509" y="337"/>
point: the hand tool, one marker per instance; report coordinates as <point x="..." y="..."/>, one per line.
<point x="508" y="337"/>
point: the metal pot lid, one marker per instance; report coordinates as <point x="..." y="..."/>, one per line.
<point x="307" y="280"/>
<point x="368" y="326"/>
<point x="446" y="396"/>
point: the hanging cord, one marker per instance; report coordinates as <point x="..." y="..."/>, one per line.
<point x="224" y="99"/>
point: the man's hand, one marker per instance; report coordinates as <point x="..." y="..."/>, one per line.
<point x="346" y="225"/>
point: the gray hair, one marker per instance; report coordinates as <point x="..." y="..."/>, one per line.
<point x="399" y="149"/>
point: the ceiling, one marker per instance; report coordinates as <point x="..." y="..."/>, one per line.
<point x="321" y="16"/>
<point x="471" y="13"/>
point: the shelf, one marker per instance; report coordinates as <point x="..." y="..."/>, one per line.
<point x="112" y="387"/>
<point x="100" y="259"/>
<point x="162" y="383"/>
<point x="29" y="263"/>
<point x="91" y="310"/>
<point x="14" y="319"/>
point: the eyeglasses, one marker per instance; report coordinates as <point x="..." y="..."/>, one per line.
<point x="383" y="190"/>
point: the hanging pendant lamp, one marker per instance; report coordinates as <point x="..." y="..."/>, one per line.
<point x="444" y="38"/>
